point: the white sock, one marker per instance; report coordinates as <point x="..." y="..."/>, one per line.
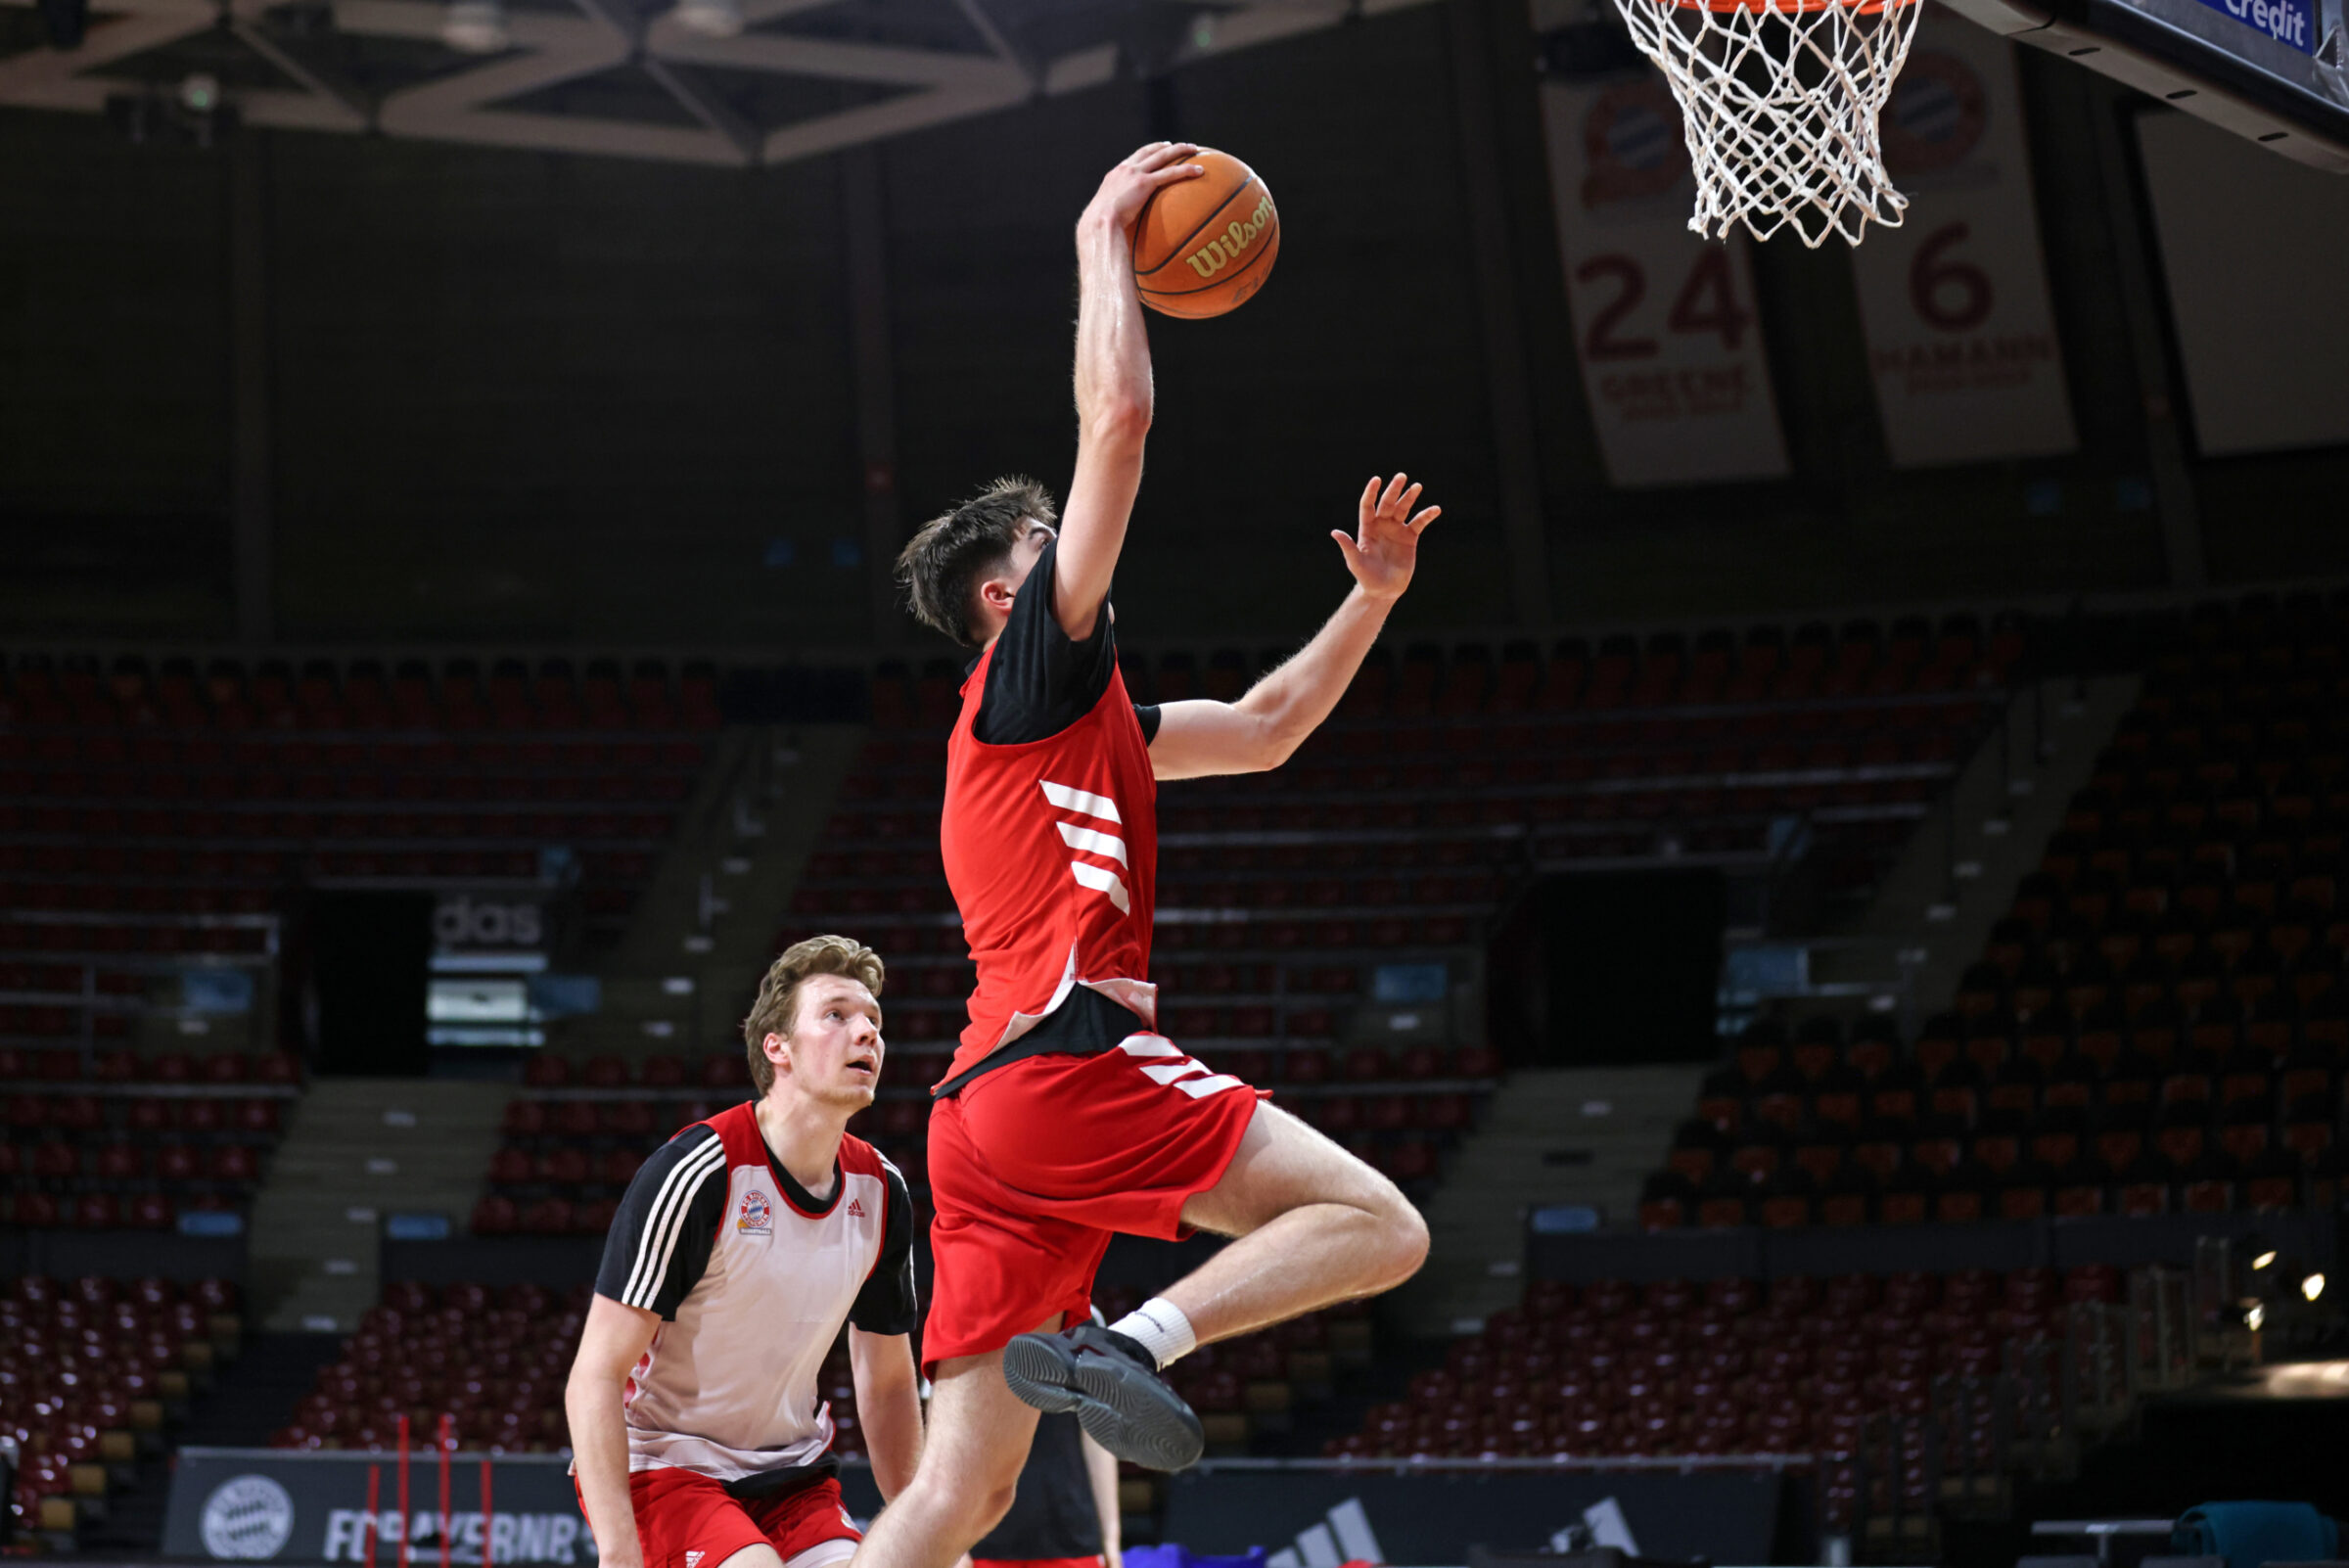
<point x="1160" y="1329"/>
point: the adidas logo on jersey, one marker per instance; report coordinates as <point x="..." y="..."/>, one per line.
<point x="855" y="1209"/>
<point x="693" y="1559"/>
<point x="1092" y="841"/>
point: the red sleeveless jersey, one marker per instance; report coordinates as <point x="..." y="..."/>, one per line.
<point x="1052" y="848"/>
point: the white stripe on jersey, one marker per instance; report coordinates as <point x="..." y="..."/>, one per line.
<point x="1101" y="881"/>
<point x="1106" y="845"/>
<point x="1084" y="800"/>
<point x="1149" y="1045"/>
<point x="667" y="1220"/>
<point x="1181" y="1071"/>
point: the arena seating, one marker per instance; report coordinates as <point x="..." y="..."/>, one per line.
<point x="92" y="1373"/>
<point x="1393" y="836"/>
<point x="575" y="1137"/>
<point x="1796" y="1366"/>
<point x="495" y="1362"/>
<point x="141" y="1139"/>
<point x="2158" y="1025"/>
<point x="137" y="799"/>
<point x="581" y="1130"/>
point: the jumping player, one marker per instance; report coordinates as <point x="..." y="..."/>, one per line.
<point x="740" y="1249"/>
<point x="1064" y="1114"/>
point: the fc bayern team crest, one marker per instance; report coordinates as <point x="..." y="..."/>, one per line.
<point x="757" y="1217"/>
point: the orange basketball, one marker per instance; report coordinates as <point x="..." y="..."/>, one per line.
<point x="1202" y="246"/>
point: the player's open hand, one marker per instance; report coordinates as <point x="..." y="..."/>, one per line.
<point x="1384" y="546"/>
<point x="1125" y="187"/>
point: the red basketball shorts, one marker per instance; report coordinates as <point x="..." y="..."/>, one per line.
<point x="1033" y="1166"/>
<point x="685" y="1519"/>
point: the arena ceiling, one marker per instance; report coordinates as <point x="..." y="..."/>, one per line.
<point x="622" y="77"/>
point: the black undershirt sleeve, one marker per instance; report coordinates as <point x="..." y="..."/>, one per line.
<point x="1042" y="680"/>
<point x="887" y="1304"/>
<point x="659" y="1241"/>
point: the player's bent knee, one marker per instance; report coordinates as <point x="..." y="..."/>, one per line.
<point x="1403" y="1238"/>
<point x="961" y="1510"/>
<point x="975" y="1512"/>
<point x="1409" y="1242"/>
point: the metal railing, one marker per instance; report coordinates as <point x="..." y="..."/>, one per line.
<point x="90" y="997"/>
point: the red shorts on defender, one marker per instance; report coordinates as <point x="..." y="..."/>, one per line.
<point x="684" y="1519"/>
<point x="1033" y="1165"/>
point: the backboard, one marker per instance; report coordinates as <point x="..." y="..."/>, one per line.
<point x="2273" y="71"/>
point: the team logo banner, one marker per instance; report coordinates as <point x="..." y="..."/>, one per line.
<point x="272" y="1505"/>
<point x="1664" y="326"/>
<point x="1960" y="336"/>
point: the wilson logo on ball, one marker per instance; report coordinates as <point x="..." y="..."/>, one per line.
<point x="1228" y="247"/>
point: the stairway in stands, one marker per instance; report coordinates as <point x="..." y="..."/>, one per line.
<point x="359" y="1149"/>
<point x="1579" y="1136"/>
<point x="2005" y="804"/>
<point x="701" y="936"/>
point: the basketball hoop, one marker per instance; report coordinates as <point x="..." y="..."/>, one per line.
<point x="1778" y="99"/>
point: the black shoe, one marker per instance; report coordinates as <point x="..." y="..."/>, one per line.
<point x="1119" y="1397"/>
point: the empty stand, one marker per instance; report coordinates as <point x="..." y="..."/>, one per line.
<point x="135" y="795"/>
<point x="1448" y="777"/>
<point x="141" y="1140"/>
<point x="574" y="1139"/>
<point x="1822" y="1368"/>
<point x="496" y="1361"/>
<point x="93" y="1372"/>
<point x="2157" y="1025"/>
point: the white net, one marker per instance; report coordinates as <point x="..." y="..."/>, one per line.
<point x="1781" y="108"/>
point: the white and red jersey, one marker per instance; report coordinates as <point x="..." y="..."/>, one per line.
<point x="754" y="1278"/>
<point x="1052" y="848"/>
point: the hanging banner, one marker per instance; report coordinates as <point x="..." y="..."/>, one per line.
<point x="1960" y="336"/>
<point x="1664" y="325"/>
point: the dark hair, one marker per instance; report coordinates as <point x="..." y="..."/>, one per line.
<point x="942" y="564"/>
<point x="777" y="1008"/>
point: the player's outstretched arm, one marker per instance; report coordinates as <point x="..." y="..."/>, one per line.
<point x="1263" y="728"/>
<point x="1113" y="384"/>
<point x="888" y="1401"/>
<point x="613" y="1340"/>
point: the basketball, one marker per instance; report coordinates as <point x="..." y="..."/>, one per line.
<point x="1203" y="246"/>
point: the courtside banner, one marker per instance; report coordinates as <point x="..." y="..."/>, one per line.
<point x="1960" y="336"/>
<point x="1664" y="322"/>
<point x="1423" y="1514"/>
<point x="296" y="1506"/>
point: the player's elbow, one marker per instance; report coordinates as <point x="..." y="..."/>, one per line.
<point x="1275" y="743"/>
<point x="1118" y="418"/>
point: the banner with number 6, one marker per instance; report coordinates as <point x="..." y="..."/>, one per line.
<point x="1960" y="337"/>
<point x="1664" y="326"/>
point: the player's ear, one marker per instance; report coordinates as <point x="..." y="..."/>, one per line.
<point x="778" y="1051"/>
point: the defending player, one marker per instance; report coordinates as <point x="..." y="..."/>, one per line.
<point x="741" y="1247"/>
<point x="1064" y="1115"/>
